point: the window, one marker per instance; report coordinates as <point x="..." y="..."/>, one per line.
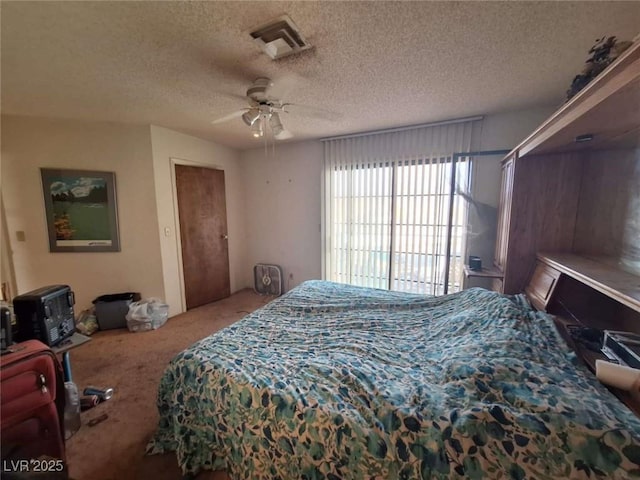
<point x="387" y="208"/>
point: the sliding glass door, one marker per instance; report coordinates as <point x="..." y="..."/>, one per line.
<point x="361" y="207"/>
<point x="390" y="225"/>
<point x="390" y="203"/>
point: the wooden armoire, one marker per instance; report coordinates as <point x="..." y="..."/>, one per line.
<point x="569" y="211"/>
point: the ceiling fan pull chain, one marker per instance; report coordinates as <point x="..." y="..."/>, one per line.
<point x="266" y="147"/>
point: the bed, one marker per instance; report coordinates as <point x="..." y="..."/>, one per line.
<point x="341" y="382"/>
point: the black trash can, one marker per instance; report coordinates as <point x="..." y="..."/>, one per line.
<point x="111" y="310"/>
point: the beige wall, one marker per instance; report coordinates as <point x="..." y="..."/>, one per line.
<point x="168" y="145"/>
<point x="31" y="143"/>
<point x="283" y="196"/>
<point x="283" y="210"/>
<point x="503" y="131"/>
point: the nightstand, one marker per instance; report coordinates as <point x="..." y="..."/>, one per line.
<point x="492" y="272"/>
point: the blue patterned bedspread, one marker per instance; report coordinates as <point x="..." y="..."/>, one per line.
<point x="339" y="382"/>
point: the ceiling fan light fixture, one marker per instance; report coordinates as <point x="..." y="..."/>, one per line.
<point x="276" y="124"/>
<point x="256" y="128"/>
<point x="251" y="116"/>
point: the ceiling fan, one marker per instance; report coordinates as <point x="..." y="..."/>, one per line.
<point x="263" y="112"/>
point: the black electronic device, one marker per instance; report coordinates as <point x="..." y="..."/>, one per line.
<point x="475" y="263"/>
<point x="586" y="337"/>
<point x="45" y="314"/>
<point x="623" y="347"/>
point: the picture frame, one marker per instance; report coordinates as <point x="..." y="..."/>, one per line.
<point x="81" y="210"/>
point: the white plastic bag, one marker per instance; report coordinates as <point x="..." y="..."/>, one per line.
<point x="147" y="314"/>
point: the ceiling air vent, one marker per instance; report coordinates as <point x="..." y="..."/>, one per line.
<point x="279" y="38"/>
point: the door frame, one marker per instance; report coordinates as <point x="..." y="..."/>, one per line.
<point x="176" y="217"/>
<point x="7" y="268"/>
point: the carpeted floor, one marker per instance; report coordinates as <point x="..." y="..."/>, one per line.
<point x="132" y="363"/>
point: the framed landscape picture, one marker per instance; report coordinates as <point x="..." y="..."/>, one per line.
<point x="81" y="210"/>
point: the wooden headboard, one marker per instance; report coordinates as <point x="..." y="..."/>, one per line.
<point x="587" y="290"/>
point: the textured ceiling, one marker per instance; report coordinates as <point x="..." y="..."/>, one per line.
<point x="375" y="64"/>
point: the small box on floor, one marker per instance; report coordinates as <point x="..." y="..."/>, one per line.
<point x="111" y="310"/>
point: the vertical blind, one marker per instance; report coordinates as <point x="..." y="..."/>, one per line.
<point x="387" y="207"/>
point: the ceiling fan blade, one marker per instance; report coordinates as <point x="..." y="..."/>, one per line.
<point x="284" y="135"/>
<point x="233" y="67"/>
<point x="231" y="116"/>
<point x="235" y="96"/>
<point x="312" y="112"/>
<point x="282" y="87"/>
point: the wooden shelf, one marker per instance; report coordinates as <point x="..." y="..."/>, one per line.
<point x="603" y="274"/>
<point x="607" y="108"/>
<point x="589" y="358"/>
<point x="484" y="273"/>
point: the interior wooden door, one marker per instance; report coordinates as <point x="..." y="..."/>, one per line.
<point x="203" y="233"/>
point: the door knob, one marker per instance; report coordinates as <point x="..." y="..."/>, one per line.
<point x="224" y="236"/>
